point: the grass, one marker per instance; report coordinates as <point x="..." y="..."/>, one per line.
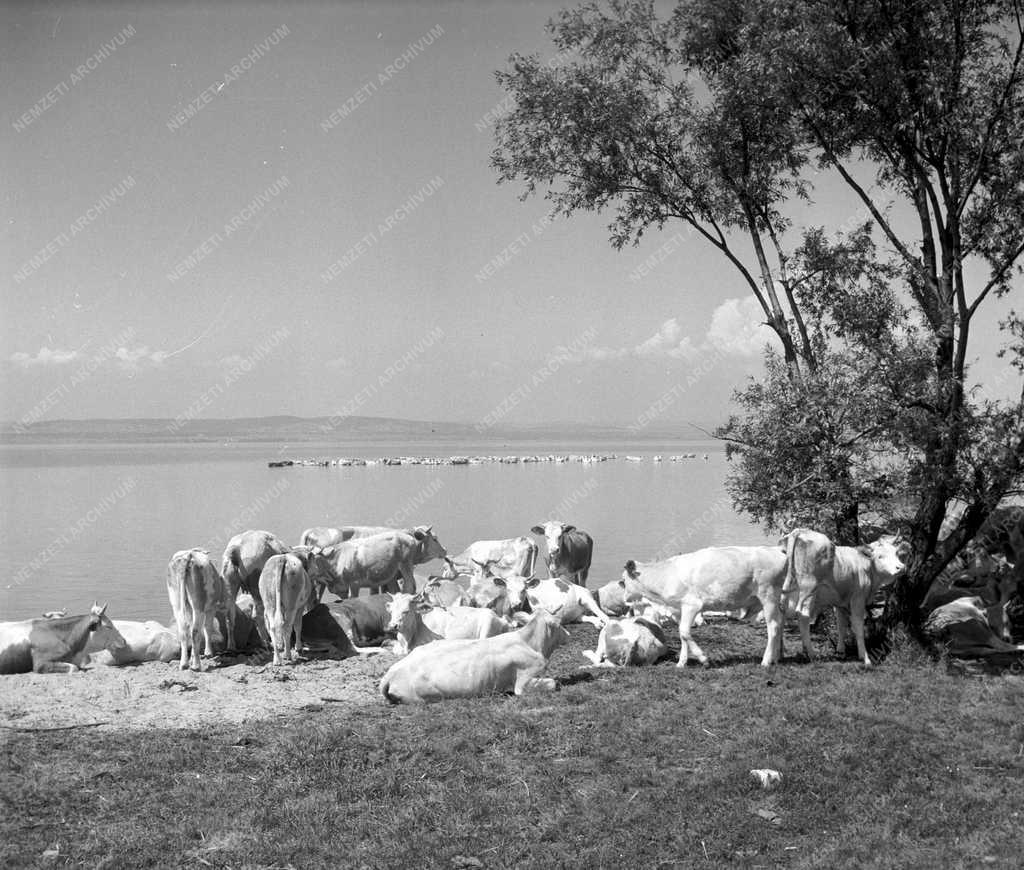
<point x="902" y="765"/>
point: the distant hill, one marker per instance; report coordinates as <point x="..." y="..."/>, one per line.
<point x="306" y="429"/>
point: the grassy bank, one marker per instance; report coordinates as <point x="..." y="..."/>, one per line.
<point x="900" y="766"/>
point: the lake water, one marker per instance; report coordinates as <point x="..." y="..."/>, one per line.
<point x="101" y="520"/>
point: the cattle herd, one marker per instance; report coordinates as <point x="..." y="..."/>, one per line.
<point x="486" y="623"/>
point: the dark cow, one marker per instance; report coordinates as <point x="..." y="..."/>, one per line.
<point x="55" y="645"/>
<point x="364" y="620"/>
<point x="569" y="551"/>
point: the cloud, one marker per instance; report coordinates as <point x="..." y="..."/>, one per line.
<point x="45" y="357"/>
<point x="135" y="358"/>
<point x="737" y="329"/>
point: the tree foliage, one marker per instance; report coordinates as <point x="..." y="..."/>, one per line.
<point x="718" y="116"/>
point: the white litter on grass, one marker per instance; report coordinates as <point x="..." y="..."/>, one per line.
<point x="766" y="777"/>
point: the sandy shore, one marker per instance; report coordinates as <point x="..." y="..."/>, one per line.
<point x="159" y="695"/>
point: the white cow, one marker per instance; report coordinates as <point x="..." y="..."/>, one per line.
<point x="503" y="595"/>
<point x="512" y="556"/>
<point x="244" y="557"/>
<point x="820" y="575"/>
<point x="197" y="593"/>
<point x="628" y="641"/>
<point x="417" y="623"/>
<point x="510" y="662"/>
<point x="375" y="561"/>
<point x="567" y="600"/>
<point x="147" y="641"/>
<point x="287" y="593"/>
<point x="715" y="578"/>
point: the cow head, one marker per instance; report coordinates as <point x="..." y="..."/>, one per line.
<point x="886" y="563"/>
<point x="104" y="635"/>
<point x="632" y="591"/>
<point x="552" y="531"/>
<point x="402" y="609"/>
<point x="319" y="565"/>
<point x="430" y="546"/>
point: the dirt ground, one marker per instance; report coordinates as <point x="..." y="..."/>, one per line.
<point x="159" y="695"/>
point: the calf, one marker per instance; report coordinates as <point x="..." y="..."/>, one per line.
<point x="55" y="645"/>
<point x="567" y="600"/>
<point x="417" y="623"/>
<point x="510" y="662"/>
<point x="629" y="641"/>
<point x="287" y="594"/>
<point x="821" y="574"/>
<point x="445" y="593"/>
<point x="197" y="593"/>
<point x="570" y="550"/>
<point x="503" y="595"/>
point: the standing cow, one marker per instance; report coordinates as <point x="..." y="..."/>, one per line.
<point x="287" y="593"/>
<point x="376" y="561"/>
<point x="512" y="556"/>
<point x="197" y="594"/>
<point x="569" y="551"/>
<point x="715" y="578"/>
<point x="820" y="575"/>
<point x="244" y="558"/>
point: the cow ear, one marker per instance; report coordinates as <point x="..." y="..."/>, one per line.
<point x="418" y="535"/>
<point x="630" y="567"/>
<point x="498" y="581"/>
<point x="537" y="530"/>
<point x="568" y="529"/>
<point x="865" y="550"/>
<point x="103" y="609"/>
<point x="532" y="582"/>
<point x="424" y="606"/>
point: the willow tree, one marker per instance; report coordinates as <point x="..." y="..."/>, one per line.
<point x="716" y="117"/>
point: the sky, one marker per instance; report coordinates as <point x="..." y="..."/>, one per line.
<point x="230" y="210"/>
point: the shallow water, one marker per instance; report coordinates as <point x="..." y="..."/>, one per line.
<point x="100" y="521"/>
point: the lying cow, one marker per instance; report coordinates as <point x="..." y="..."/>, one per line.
<point x="503" y="595"/>
<point x="820" y="575"/>
<point x="569" y="601"/>
<point x="288" y="594"/>
<point x="570" y="551"/>
<point x="147" y="641"/>
<point x="445" y="593"/>
<point x="962" y="626"/>
<point x="717" y="578"/>
<point x="365" y="620"/>
<point x="416" y="623"/>
<point x="512" y="556"/>
<point x="376" y="561"/>
<point x="324" y="631"/>
<point x="611" y="598"/>
<point x="55" y="645"/>
<point x="197" y="593"/>
<point x="244" y="557"/>
<point x="510" y="662"/>
<point x="978" y="574"/>
<point x="628" y="641"/>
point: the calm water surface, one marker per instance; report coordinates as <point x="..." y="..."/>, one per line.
<point x="100" y="521"/>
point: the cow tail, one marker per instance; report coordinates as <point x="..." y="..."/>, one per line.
<point x="790" y="582"/>
<point x="187" y="605"/>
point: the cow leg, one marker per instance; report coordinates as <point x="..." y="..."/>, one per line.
<point x="528" y="679"/>
<point x="687" y="645"/>
<point x="229" y="616"/>
<point x="857" y="621"/>
<point x="842" y="623"/>
<point x="773" y="625"/>
<point x="55" y="668"/>
<point x="259" y="616"/>
<point x="196" y="636"/>
<point x="586" y="598"/>
<point x="408" y="583"/>
<point x="805" y="635"/>
<point x="184" y="634"/>
<point x="206" y="636"/>
<point x="297" y="650"/>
